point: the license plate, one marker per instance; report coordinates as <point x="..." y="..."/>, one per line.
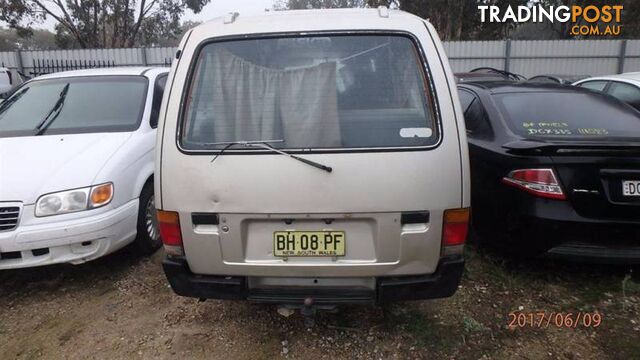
<point x="631" y="188"/>
<point x="308" y="243"/>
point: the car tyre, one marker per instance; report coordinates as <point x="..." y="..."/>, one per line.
<point x="148" y="238"/>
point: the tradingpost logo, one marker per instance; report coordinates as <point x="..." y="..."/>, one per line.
<point x="590" y="20"/>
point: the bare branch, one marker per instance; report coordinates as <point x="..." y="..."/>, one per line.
<point x="66" y="22"/>
<point x="143" y="14"/>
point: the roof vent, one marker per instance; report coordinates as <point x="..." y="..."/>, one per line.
<point x="383" y="11"/>
<point x="231" y="17"/>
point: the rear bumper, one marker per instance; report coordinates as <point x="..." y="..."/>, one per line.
<point x="523" y="225"/>
<point x="443" y="283"/>
<point x="594" y="253"/>
<point x="584" y="239"/>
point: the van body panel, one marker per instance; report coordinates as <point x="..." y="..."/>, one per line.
<point x="258" y="193"/>
<point x="457" y="113"/>
<point x="365" y="197"/>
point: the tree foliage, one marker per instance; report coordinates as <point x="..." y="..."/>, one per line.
<point x="460" y="19"/>
<point x="10" y="40"/>
<point x="453" y="19"/>
<point x="101" y="23"/>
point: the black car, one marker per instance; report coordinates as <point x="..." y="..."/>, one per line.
<point x="554" y="169"/>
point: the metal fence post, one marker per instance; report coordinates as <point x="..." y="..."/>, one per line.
<point x="144" y="56"/>
<point x="507" y="55"/>
<point x="18" y="55"/>
<point x="622" y="56"/>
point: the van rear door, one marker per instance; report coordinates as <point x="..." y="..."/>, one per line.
<point x="365" y="104"/>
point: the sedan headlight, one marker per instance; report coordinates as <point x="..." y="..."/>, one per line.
<point x="69" y="201"/>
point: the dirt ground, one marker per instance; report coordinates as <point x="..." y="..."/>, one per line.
<point x="121" y="307"/>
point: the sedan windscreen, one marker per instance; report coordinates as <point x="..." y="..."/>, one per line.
<point x="569" y="115"/>
<point x="355" y="91"/>
<point x="74" y="105"/>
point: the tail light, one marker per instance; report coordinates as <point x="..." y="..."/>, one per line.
<point x="169" y="223"/>
<point x="539" y="182"/>
<point x="455" y="229"/>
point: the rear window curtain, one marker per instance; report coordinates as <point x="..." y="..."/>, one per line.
<point x="252" y="102"/>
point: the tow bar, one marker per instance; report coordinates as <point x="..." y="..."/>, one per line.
<point x="308" y="310"/>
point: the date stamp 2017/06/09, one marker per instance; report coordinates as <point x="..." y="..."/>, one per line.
<point x="544" y="319"/>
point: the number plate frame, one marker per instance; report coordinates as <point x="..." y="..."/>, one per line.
<point x="329" y="243"/>
<point x="630" y="188"/>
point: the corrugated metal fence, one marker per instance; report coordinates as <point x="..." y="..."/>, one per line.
<point x="29" y="62"/>
<point x="528" y="58"/>
<point x="592" y="57"/>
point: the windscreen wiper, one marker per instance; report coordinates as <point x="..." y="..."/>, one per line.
<point x="7" y="103"/>
<point x="54" y="112"/>
<point x="264" y="144"/>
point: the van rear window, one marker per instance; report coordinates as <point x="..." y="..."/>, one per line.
<point x="312" y="92"/>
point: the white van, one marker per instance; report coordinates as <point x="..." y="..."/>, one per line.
<point x="313" y="157"/>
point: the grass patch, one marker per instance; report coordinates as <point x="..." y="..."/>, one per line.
<point x="428" y="332"/>
<point x="506" y="274"/>
<point x="471" y="325"/>
<point x="621" y="343"/>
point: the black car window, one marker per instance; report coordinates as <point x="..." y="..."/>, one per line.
<point x="625" y="92"/>
<point x="477" y="120"/>
<point x="597" y="85"/>
<point x="465" y="99"/>
<point x="158" y="92"/>
<point x="576" y="115"/>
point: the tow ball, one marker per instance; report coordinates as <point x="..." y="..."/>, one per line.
<point x="307" y="310"/>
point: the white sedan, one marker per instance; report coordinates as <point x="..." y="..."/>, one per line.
<point x="76" y="166"/>
<point x="625" y="87"/>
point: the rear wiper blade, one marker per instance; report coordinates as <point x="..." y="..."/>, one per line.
<point x="264" y="144"/>
<point x="54" y="112"/>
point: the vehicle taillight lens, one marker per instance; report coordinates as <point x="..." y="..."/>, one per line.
<point x="455" y="227"/>
<point x="539" y="182"/>
<point x="169" y="223"/>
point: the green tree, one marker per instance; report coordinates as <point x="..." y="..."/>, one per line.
<point x="10" y="40"/>
<point x="150" y="37"/>
<point x="100" y="23"/>
<point x="453" y="19"/>
<point x="327" y="4"/>
<point x="460" y="19"/>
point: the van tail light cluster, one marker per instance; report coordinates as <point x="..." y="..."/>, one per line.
<point x="169" y="223"/>
<point x="539" y="182"/>
<point x="455" y="229"/>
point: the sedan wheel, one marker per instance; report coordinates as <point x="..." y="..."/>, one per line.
<point x="151" y="222"/>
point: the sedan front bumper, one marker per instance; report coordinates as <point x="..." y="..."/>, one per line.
<point x="70" y="240"/>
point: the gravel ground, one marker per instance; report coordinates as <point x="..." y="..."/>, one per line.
<point x="122" y="307"/>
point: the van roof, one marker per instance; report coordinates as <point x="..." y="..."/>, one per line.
<point x="308" y="20"/>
